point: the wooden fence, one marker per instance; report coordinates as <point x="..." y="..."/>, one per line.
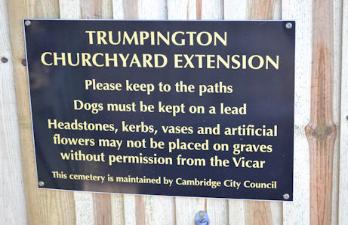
<point x="321" y="120"/>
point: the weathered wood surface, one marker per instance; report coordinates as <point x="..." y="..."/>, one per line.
<point x="12" y="202"/>
<point x="297" y="212"/>
<point x="343" y="167"/>
<point x="321" y="130"/>
<point x="319" y="103"/>
<point x="43" y="207"/>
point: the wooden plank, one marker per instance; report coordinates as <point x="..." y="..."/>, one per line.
<point x="258" y="212"/>
<point x="133" y="207"/>
<point x="217" y="209"/>
<point x="117" y="9"/>
<point x="102" y="209"/>
<point x="156" y="10"/>
<point x="124" y="206"/>
<point x="181" y="10"/>
<point x="261" y="9"/>
<point x="185" y="10"/>
<point x="130" y="9"/>
<point x="69" y="9"/>
<point x="159" y="210"/>
<point x="343" y="185"/>
<point x="154" y="209"/>
<point x="236" y="10"/>
<point x="107" y="9"/>
<point x="117" y="209"/>
<point x="12" y="200"/>
<point x="84" y="208"/>
<point x="297" y="212"/>
<point x="321" y="130"/>
<point x="212" y="10"/>
<point x="337" y="50"/>
<point x="43" y="206"/>
<point x="101" y="202"/>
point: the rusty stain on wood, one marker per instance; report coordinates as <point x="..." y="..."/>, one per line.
<point x="321" y="130"/>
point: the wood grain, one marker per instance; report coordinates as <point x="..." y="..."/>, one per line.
<point x="12" y="200"/>
<point x="261" y="9"/>
<point x="236" y="10"/>
<point x="336" y="79"/>
<point x="185" y="10"/>
<point x="84" y="207"/>
<point x="101" y="202"/>
<point x="343" y="184"/>
<point x="297" y="212"/>
<point x="321" y="130"/>
<point x="124" y="209"/>
<point x="257" y="212"/>
<point x="102" y="209"/>
<point x="322" y="45"/>
<point x="43" y="206"/>
<point x="155" y="210"/>
<point x="217" y="209"/>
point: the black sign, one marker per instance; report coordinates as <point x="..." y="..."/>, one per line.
<point x="185" y="108"/>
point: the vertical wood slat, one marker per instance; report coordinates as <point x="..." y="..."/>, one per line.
<point x="12" y="200"/>
<point x="43" y="206"/>
<point x="263" y="213"/>
<point x="185" y="208"/>
<point x="297" y="212"/>
<point x="102" y="205"/>
<point x="236" y="10"/>
<point x="321" y="130"/>
<point x="343" y="184"/>
<point x="84" y="208"/>
<point x="217" y="209"/>
<point x="337" y="45"/>
<point x="123" y="207"/>
<point x="155" y="210"/>
<point x="181" y="9"/>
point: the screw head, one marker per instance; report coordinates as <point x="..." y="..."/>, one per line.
<point x="24" y="62"/>
<point x="201" y="218"/>
<point x="286" y="196"/>
<point x="27" y="23"/>
<point x="41" y="183"/>
<point x="288" y="25"/>
<point x="4" y="59"/>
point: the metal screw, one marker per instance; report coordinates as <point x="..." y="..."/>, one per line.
<point x="4" y="59"/>
<point x="201" y="218"/>
<point x="41" y="183"/>
<point x="27" y="23"/>
<point x="24" y="62"/>
<point x="286" y="196"/>
<point x="288" y="25"/>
